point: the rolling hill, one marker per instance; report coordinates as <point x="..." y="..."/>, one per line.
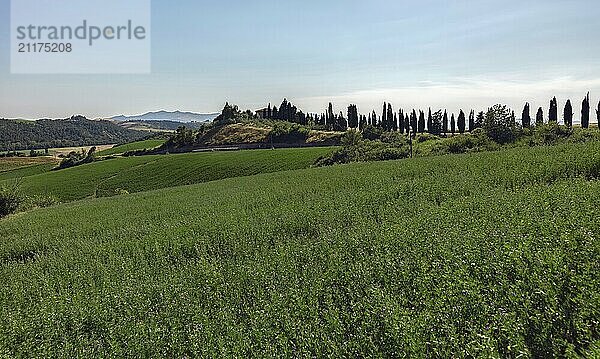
<point x="136" y="174"/>
<point x="75" y="131"/>
<point x="491" y="254"/>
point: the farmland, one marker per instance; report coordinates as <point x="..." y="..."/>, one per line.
<point x="136" y="174"/>
<point x="133" y="146"/>
<point x="484" y="255"/>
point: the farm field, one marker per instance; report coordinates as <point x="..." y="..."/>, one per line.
<point x="486" y="255"/>
<point x="136" y="174"/>
<point x="133" y="146"/>
<point x="12" y="163"/>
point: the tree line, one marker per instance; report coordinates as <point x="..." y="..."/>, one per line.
<point x="438" y="122"/>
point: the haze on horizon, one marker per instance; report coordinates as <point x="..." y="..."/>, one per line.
<point x="439" y="54"/>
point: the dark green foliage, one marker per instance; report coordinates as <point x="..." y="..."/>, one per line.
<point x="461" y="122"/>
<point x="429" y="121"/>
<point x="401" y="121"/>
<point x="553" y="113"/>
<point x="372" y="133"/>
<point x="526" y="116"/>
<point x="183" y="138"/>
<point x="598" y="114"/>
<point x="353" y="116"/>
<point x="480" y="119"/>
<point x="453" y="125"/>
<point x="228" y="115"/>
<point x="471" y="120"/>
<point x="421" y="125"/>
<point x="499" y="124"/>
<point x="539" y="117"/>
<point x="413" y="122"/>
<point x="445" y="124"/>
<point x="10" y="199"/>
<point x="78" y="158"/>
<point x="72" y="132"/>
<point x="550" y="134"/>
<point x="568" y="114"/>
<point x="391" y="146"/>
<point x="585" y="112"/>
<point x="437" y="122"/>
<point x="285" y="132"/>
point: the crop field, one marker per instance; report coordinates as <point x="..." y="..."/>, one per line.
<point x="136" y="174"/>
<point x="481" y="255"/>
<point x="12" y="163"/>
<point x="133" y="146"/>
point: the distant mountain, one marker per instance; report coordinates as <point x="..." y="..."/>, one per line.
<point x="177" y="116"/>
<point x="74" y="131"/>
<point x="157" y="125"/>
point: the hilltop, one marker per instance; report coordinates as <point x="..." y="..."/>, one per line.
<point x="74" y="131"/>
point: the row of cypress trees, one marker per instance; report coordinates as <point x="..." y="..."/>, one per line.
<point x="436" y="123"/>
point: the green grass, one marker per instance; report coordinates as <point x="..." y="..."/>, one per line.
<point x="12" y="163"/>
<point x="481" y="255"/>
<point x="136" y="174"/>
<point x="133" y="146"/>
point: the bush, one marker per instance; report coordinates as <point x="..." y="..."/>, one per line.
<point x="285" y="132"/>
<point x="365" y="151"/>
<point x="499" y="124"/>
<point x="10" y="200"/>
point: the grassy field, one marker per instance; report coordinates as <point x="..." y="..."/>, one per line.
<point x="136" y="174"/>
<point x="12" y="163"/>
<point x="133" y="146"/>
<point x="481" y="255"/>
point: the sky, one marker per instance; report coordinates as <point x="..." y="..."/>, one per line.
<point x="414" y="54"/>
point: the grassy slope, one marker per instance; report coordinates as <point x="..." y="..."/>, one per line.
<point x="12" y="163"/>
<point x="486" y="254"/>
<point x="136" y="174"/>
<point x="133" y="146"/>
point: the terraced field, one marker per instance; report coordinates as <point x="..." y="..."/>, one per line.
<point x="136" y="174"/>
<point x="482" y="255"/>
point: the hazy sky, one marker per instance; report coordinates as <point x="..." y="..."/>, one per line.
<point x="453" y="54"/>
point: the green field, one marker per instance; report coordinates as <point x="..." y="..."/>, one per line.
<point x="136" y="174"/>
<point x="11" y="163"/>
<point x="133" y="146"/>
<point x="481" y="255"/>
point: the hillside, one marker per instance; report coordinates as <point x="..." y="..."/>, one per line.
<point x="491" y="254"/>
<point x="76" y="131"/>
<point x="136" y="174"/>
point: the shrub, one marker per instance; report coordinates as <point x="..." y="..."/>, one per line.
<point x="285" y="132"/>
<point x="499" y="124"/>
<point x="10" y="200"/>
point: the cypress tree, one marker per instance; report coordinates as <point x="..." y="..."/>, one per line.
<point x="585" y="112"/>
<point x="384" y="116"/>
<point x="352" y="116"/>
<point x="479" y="119"/>
<point x="526" y="117"/>
<point x="445" y="122"/>
<point x="553" y="113"/>
<point x="539" y="117"/>
<point x="461" y="122"/>
<point x="471" y="120"/>
<point x="330" y="117"/>
<point x="407" y="124"/>
<point x="391" y="124"/>
<point x="401" y="125"/>
<point x="269" y="112"/>
<point x="429" y="122"/>
<point x="453" y="125"/>
<point x="374" y="119"/>
<point x="598" y="114"/>
<point x="413" y="122"/>
<point x="568" y="114"/>
<point x="421" y="124"/>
